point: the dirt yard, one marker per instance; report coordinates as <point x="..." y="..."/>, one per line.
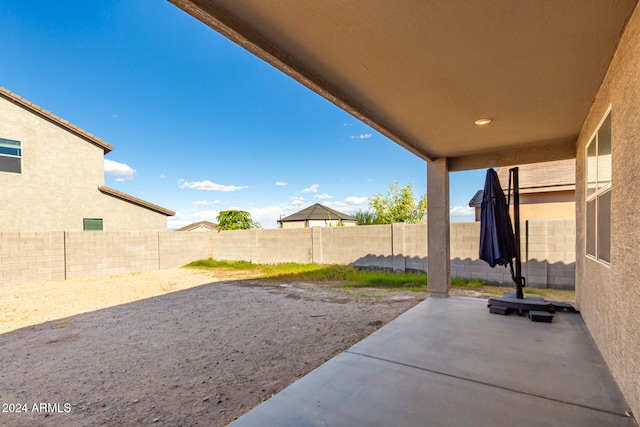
<point x="177" y="347"/>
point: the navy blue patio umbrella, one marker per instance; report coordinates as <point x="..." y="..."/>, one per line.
<point x="498" y="243"/>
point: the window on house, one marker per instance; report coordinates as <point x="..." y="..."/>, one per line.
<point x="10" y="156"/>
<point x="599" y="192"/>
<point x="92" y="224"/>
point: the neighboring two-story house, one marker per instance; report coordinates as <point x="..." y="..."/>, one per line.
<point x="52" y="177"/>
<point x="547" y="190"/>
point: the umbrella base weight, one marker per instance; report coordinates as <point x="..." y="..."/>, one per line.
<point x="538" y="309"/>
<point x="499" y="310"/>
<point x="540" y="316"/>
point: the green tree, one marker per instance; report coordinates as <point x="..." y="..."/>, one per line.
<point x="366" y="217"/>
<point x="399" y="205"/>
<point x="236" y="220"/>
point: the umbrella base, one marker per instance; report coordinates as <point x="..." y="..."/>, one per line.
<point x="521" y="305"/>
<point x="538" y="309"/>
<point x="557" y="305"/>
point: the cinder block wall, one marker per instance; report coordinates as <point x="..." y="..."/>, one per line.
<point x="353" y="245"/>
<point x="233" y="245"/>
<point x="547" y="254"/>
<point x="31" y="257"/>
<point x="99" y="254"/>
<point x="548" y="250"/>
<point x="273" y="246"/>
<point x="177" y="249"/>
<point x="27" y="257"/>
<point x="465" y="247"/>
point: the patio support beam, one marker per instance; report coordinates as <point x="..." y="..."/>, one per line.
<point x="560" y="149"/>
<point x="438" y="228"/>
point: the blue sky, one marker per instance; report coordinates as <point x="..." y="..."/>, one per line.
<point x="198" y="124"/>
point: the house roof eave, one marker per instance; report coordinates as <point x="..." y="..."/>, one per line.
<point x="134" y="200"/>
<point x="66" y="125"/>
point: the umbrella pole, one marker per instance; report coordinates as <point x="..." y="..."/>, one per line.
<point x="516" y="219"/>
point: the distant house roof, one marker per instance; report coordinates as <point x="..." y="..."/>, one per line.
<point x="17" y="99"/>
<point x="127" y="198"/>
<point x="318" y="212"/>
<point x="199" y="224"/>
<point x="476" y="201"/>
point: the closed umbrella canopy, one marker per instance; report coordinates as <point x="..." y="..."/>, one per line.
<point x="497" y="241"/>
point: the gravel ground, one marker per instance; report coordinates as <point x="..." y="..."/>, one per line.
<point x="178" y="347"/>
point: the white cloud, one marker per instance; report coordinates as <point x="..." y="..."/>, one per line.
<point x="462" y="214"/>
<point x="268" y="216"/>
<point x="206" y="202"/>
<point x="462" y="211"/>
<point x="208" y="215"/>
<point x="362" y="136"/>
<point x="356" y="200"/>
<point x="121" y="171"/>
<point x="177" y="221"/>
<point x="163" y="176"/>
<point x="280" y="184"/>
<point x="297" y="201"/>
<point x="312" y="189"/>
<point x="209" y="186"/>
<point x="350" y="204"/>
<point x="323" y="196"/>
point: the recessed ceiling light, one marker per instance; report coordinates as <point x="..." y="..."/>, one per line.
<point x="483" y="122"/>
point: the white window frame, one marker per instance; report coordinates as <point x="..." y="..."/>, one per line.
<point x="599" y="191"/>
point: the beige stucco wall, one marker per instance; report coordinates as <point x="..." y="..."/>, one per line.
<point x="124" y="216"/>
<point x="58" y="186"/>
<point x="544" y="205"/>
<point x="548" y="205"/>
<point x="609" y="295"/>
<point x="294" y="224"/>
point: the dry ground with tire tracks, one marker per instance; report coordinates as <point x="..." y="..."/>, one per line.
<point x="178" y="347"/>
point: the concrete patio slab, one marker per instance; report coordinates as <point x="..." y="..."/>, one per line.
<point x="449" y="362"/>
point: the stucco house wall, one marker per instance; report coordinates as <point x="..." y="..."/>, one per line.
<point x="60" y="179"/>
<point x="608" y="294"/>
<point x="294" y="224"/>
<point x="121" y="215"/>
<point x="551" y="205"/>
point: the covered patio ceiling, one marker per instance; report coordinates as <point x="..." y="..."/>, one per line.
<point x="422" y="72"/>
